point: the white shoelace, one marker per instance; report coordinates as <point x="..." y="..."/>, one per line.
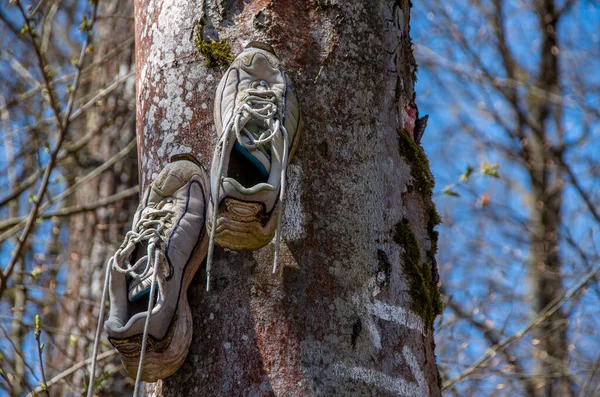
<point x="149" y="229"/>
<point x="258" y="105"/>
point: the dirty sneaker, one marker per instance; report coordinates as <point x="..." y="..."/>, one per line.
<point x="152" y="270"/>
<point x="258" y="123"/>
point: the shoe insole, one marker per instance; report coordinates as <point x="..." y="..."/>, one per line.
<point x="245" y="168"/>
<point x="139" y="303"/>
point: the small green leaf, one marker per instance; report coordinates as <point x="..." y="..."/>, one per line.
<point x="42" y="347"/>
<point x="35" y="273"/>
<point x="465" y="176"/>
<point x="49" y="72"/>
<point x="32" y="198"/>
<point x="490" y="169"/>
<point x="448" y="191"/>
<point x="47" y="147"/>
<point x="38" y="327"/>
<point x="73" y="340"/>
<point x="84" y="23"/>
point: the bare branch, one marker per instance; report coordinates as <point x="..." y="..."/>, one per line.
<point x="40" y="347"/>
<point x="69" y="371"/>
<point x="62" y="124"/>
<point x="540" y="318"/>
<point x="77" y="209"/>
<point x="74" y="187"/>
<point x="588" y="382"/>
<point x="582" y="193"/>
<point x="493" y="337"/>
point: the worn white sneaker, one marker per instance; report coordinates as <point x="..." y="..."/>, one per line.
<point x="152" y="270"/>
<point x="258" y="123"/>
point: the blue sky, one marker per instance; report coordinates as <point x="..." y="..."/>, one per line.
<point x="484" y="249"/>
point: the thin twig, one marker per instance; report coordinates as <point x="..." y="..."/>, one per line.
<point x="588" y="382"/>
<point x="97" y="171"/>
<point x="493" y="336"/>
<point x="40" y="347"/>
<point x="32" y="217"/>
<point x="550" y="309"/>
<point x="10" y="340"/>
<point x="584" y="196"/>
<point x="63" y="125"/>
<point x="36" y="9"/>
<point x="76" y="209"/>
<point x="62" y="79"/>
<point x="69" y="371"/>
<point x="68" y="150"/>
<point x="103" y="93"/>
<point x="48" y="328"/>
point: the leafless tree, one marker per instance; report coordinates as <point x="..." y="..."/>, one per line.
<point x="352" y="307"/>
<point x="71" y="182"/>
<point x="514" y="81"/>
<point x="350" y="312"/>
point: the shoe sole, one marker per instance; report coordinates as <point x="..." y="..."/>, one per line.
<point x="241" y="233"/>
<point x="161" y="365"/>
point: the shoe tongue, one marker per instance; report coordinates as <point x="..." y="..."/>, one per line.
<point x="164" y="186"/>
<point x="261" y="68"/>
<point x="139" y="287"/>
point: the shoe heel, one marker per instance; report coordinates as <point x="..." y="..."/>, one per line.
<point x="261" y="46"/>
<point x="185" y="156"/>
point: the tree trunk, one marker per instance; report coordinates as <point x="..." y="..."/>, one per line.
<point x="95" y="235"/>
<point x="351" y="308"/>
<point x="552" y="355"/>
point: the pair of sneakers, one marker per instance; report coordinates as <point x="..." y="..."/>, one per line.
<point x="184" y="213"/>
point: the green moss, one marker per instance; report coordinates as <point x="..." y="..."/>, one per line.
<point x="433" y="219"/>
<point x="216" y="53"/>
<point x="426" y="299"/>
<point x="419" y="164"/>
<point x="404" y="236"/>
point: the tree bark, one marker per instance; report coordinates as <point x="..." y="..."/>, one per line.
<point x="95" y="235"/>
<point x="547" y="185"/>
<point x="351" y="308"/>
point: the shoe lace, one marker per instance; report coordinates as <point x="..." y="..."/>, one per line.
<point x="259" y="104"/>
<point x="150" y="228"/>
